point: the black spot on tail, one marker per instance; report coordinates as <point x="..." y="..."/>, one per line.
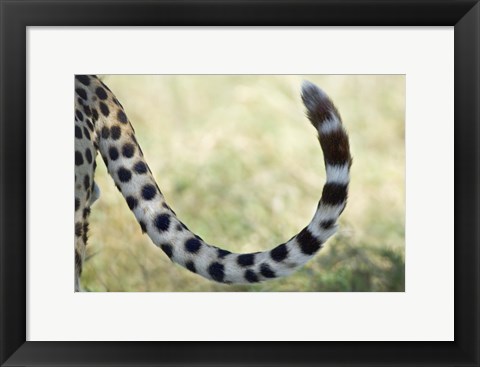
<point x="140" y="167"/>
<point x="191" y="266"/>
<point x="167" y="249"/>
<point x="122" y="117"/>
<point x="245" y="260"/>
<point x="250" y="276"/>
<point x="113" y="153"/>
<point x="105" y="132"/>
<point x="124" y="175"/>
<point x="334" y="193"/>
<point x="307" y="242"/>
<point x="266" y="271"/>
<point x="132" y="202"/>
<point x="193" y="245"/>
<point x="222" y="253"/>
<point x="128" y="150"/>
<point x="279" y="253"/>
<point x="162" y="222"/>
<point x="149" y="192"/>
<point x="116" y="132"/>
<point x="217" y="271"/>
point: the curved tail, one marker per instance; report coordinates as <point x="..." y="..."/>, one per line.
<point x="125" y="162"/>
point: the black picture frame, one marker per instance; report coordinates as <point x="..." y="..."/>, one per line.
<point x="16" y="15"/>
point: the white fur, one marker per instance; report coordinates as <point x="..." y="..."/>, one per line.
<point x="338" y="173"/>
<point x="329" y="126"/>
<point x="327" y="212"/>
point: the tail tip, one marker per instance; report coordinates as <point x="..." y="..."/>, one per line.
<point x="318" y="104"/>
<point x="308" y="87"/>
<point x="312" y="95"/>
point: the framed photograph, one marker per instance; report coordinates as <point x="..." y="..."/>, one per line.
<point x="245" y="183"/>
<point x="234" y="172"/>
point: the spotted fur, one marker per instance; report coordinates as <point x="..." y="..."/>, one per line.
<point x="101" y="124"/>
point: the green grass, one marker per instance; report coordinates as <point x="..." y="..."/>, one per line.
<point x="240" y="164"/>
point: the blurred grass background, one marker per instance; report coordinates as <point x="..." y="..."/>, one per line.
<point x="240" y="164"/>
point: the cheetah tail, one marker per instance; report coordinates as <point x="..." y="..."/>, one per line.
<point x="128" y="168"/>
